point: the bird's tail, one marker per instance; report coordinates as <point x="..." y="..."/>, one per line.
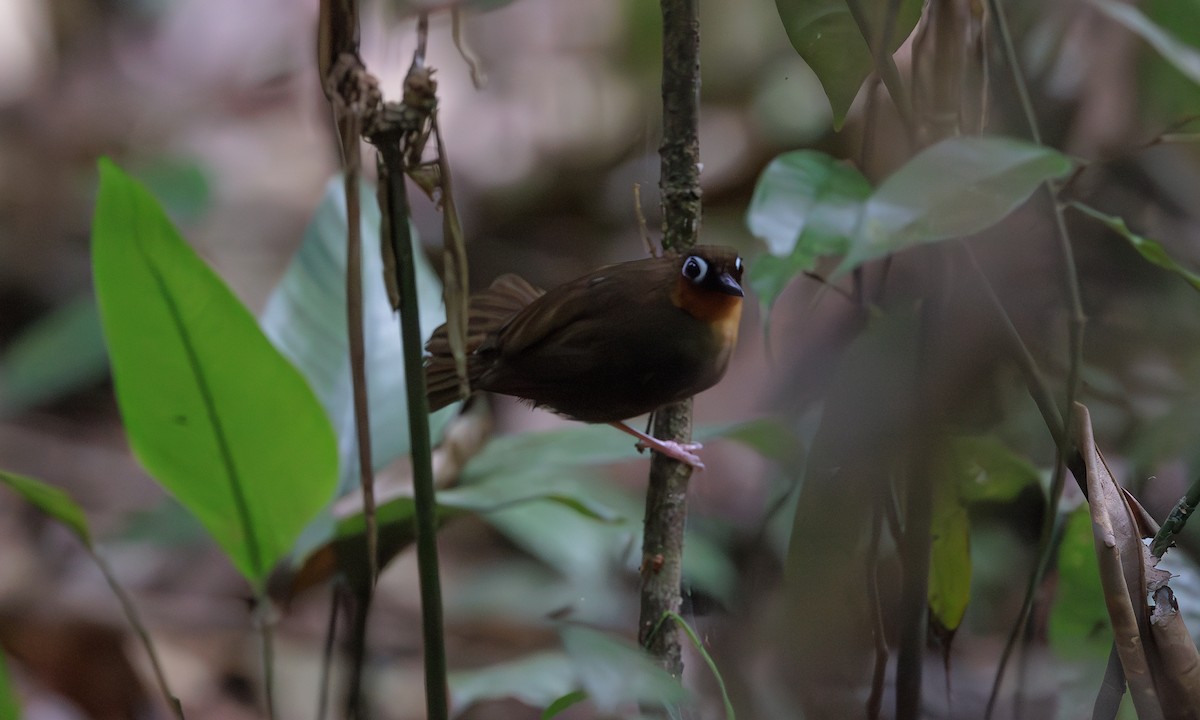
<point x="490" y="311"/>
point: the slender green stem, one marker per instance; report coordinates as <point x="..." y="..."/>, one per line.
<point x="436" y="701"/>
<point x="1174" y="523"/>
<point x="135" y="621"/>
<point x="1075" y="330"/>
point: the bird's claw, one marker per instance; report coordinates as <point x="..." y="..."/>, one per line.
<point x="683" y="452"/>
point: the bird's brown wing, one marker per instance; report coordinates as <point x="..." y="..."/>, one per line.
<point x="580" y="314"/>
<point x="489" y="311"/>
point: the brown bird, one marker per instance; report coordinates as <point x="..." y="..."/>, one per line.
<point x="619" y="342"/>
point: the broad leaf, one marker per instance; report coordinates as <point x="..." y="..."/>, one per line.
<point x="212" y="409"/>
<point x="537" y="680"/>
<point x="827" y="37"/>
<point x="614" y="672"/>
<point x="1079" y="624"/>
<point x="1149" y="249"/>
<point x="806" y="205"/>
<point x="306" y="319"/>
<point x="957" y="187"/>
<point x="1184" y="57"/>
<point x="990" y="471"/>
<point x="52" y="501"/>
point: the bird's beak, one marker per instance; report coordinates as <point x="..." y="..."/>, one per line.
<point x="729" y="286"/>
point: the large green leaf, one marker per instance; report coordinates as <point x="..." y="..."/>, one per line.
<point x="1079" y="625"/>
<point x="306" y="319"/>
<point x="212" y="409"/>
<point x="826" y="36"/>
<point x="537" y="680"/>
<point x="806" y="205"/>
<point x="989" y="471"/>
<point x="52" y="501"/>
<point x="614" y="672"/>
<point x="957" y="187"/>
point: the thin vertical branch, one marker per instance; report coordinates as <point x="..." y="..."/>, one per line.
<point x="392" y="175"/>
<point x="1075" y="330"/>
<point x="135" y="621"/>
<point x="666" y="495"/>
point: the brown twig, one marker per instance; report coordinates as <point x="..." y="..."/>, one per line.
<point x="666" y="496"/>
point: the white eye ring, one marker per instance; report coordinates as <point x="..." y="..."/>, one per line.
<point x="695" y="268"/>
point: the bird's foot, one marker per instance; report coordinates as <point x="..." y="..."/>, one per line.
<point x="683" y="452"/>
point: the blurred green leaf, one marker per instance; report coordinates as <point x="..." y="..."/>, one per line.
<point x="806" y="205"/>
<point x="555" y="708"/>
<point x="10" y="709"/>
<point x="957" y="187"/>
<point x="305" y="317"/>
<point x="1163" y="91"/>
<point x="614" y="672"/>
<point x="769" y="437"/>
<point x="59" y="354"/>
<point x="824" y="33"/>
<point x="52" y="501"/>
<point x="1184" y="57"/>
<point x="1079" y="625"/>
<point x="990" y="471"/>
<point x="181" y="185"/>
<point x="1149" y="249"/>
<point x="537" y="680"/>
<point x="212" y="410"/>
<point x="950" y="553"/>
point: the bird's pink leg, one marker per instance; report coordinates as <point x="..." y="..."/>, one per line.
<point x="683" y="452"/>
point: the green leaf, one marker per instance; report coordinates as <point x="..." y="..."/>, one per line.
<point x="61" y="353"/>
<point x="555" y="708"/>
<point x="52" y="501"/>
<point x="950" y="553"/>
<point x="614" y="672"/>
<point x="1184" y="57"/>
<point x="212" y="410"/>
<point x="536" y="680"/>
<point x="989" y="471"/>
<point x="806" y="205"/>
<point x="305" y="317"/>
<point x="10" y="709"/>
<point x="1079" y="624"/>
<point x="1150" y="250"/>
<point x="826" y="36"/>
<point x="957" y="187"/>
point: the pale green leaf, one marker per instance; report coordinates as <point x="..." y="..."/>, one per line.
<point x="825" y="34"/>
<point x="957" y="187"/>
<point x="305" y="317"/>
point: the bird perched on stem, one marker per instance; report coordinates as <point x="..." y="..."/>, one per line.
<point x="618" y="342"/>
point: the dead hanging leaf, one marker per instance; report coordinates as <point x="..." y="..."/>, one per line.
<point x="455" y="287"/>
<point x="1179" y="659"/>
<point x="1119" y="550"/>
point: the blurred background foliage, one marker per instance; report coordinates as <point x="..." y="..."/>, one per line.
<point x="216" y="107"/>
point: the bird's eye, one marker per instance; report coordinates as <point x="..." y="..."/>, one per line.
<point x="737" y="265"/>
<point x="695" y="268"/>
